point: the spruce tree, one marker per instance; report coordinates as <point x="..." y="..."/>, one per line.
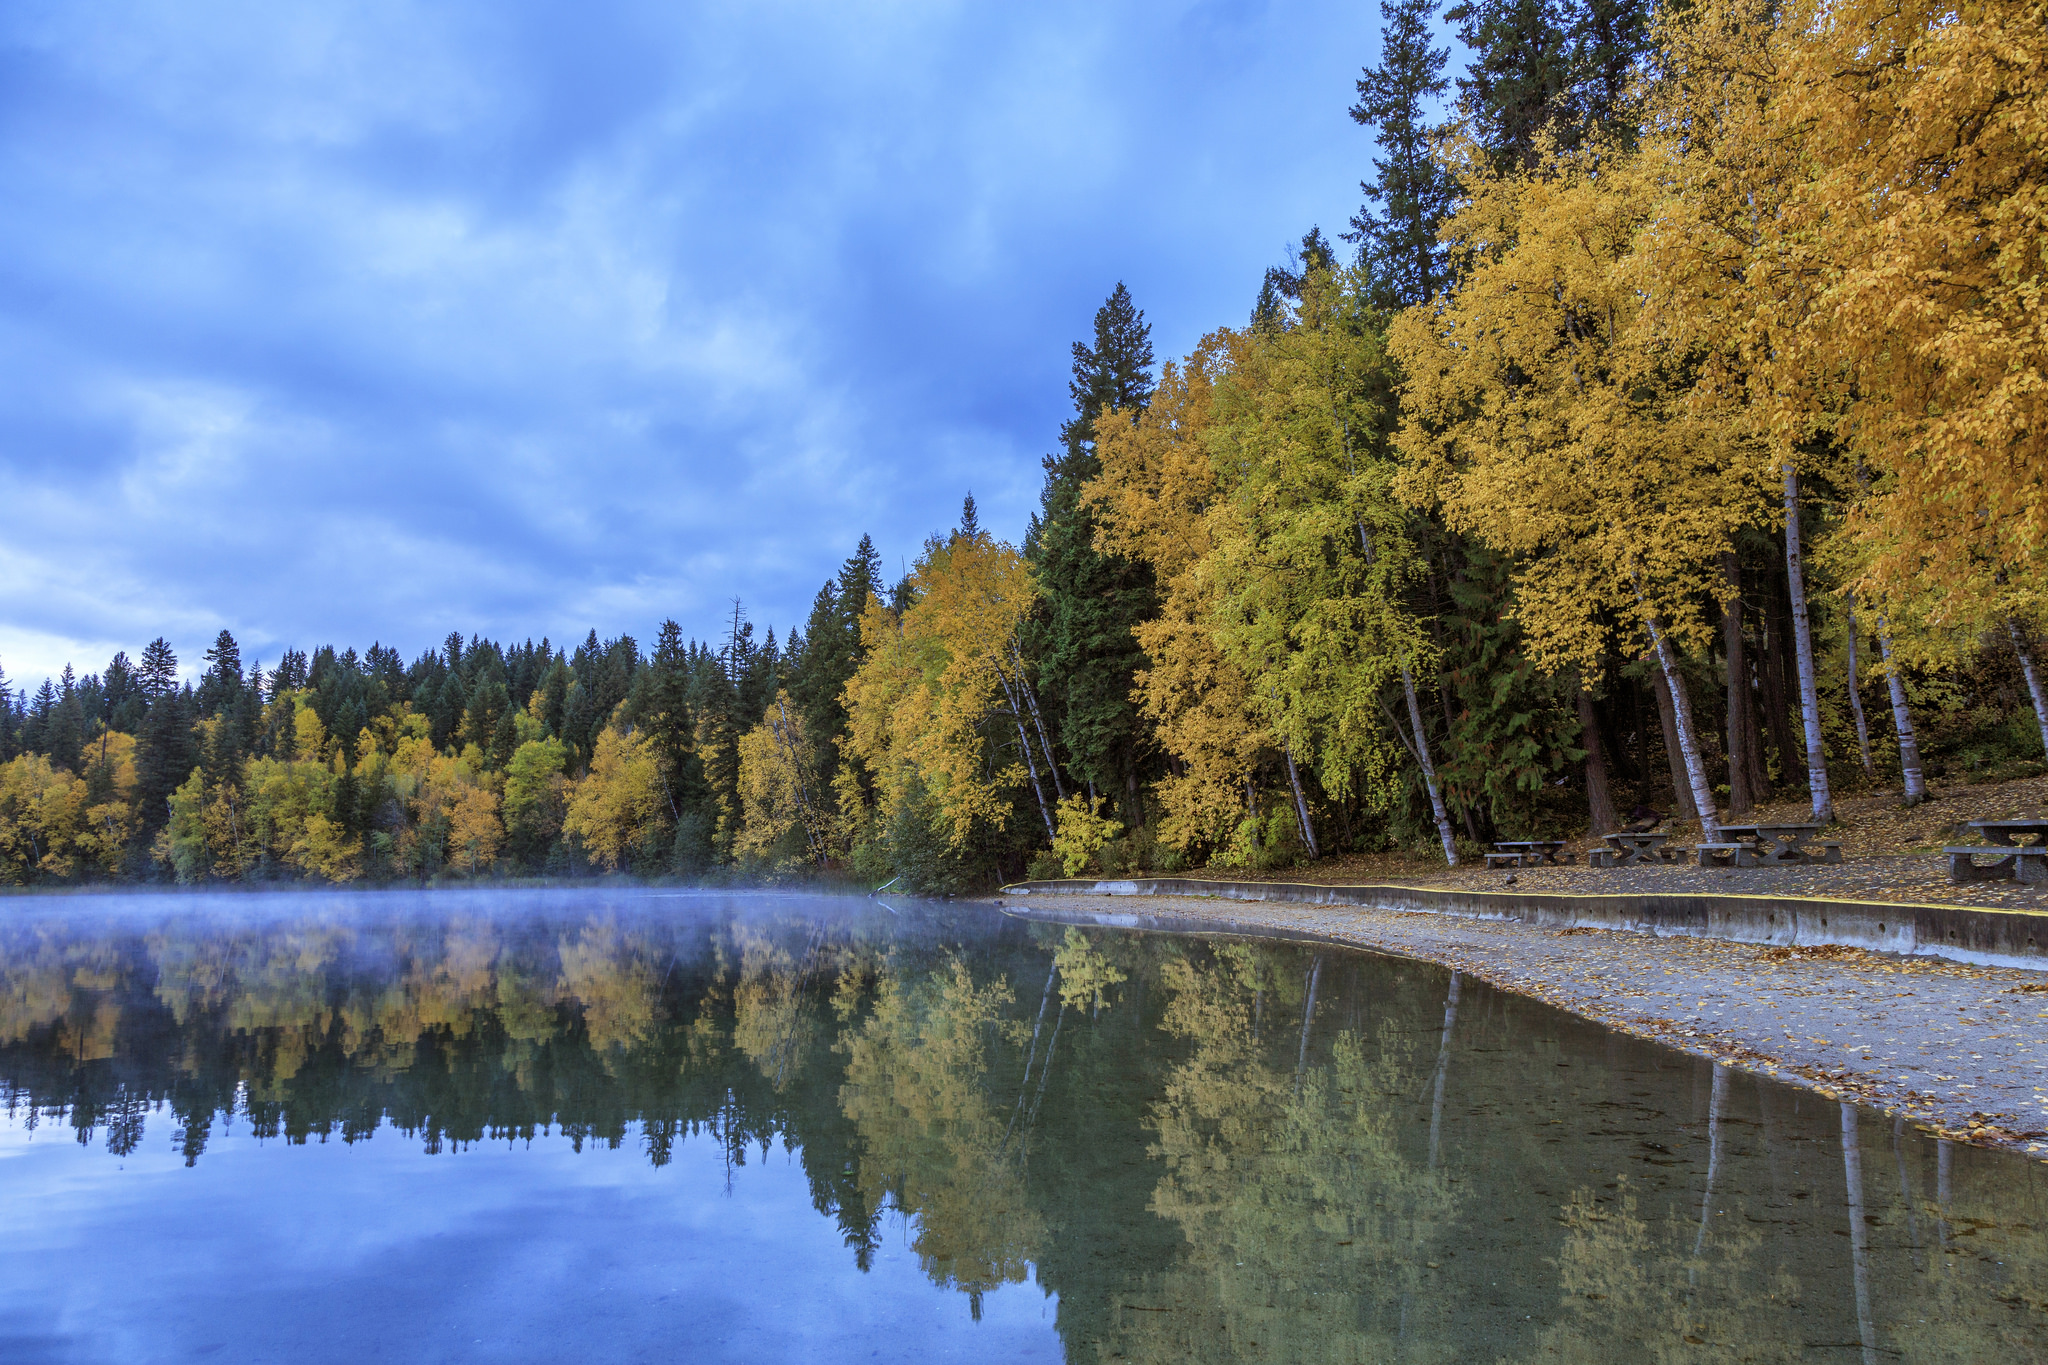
<point x="1397" y="240"/>
<point x="157" y="676"/>
<point x="1516" y="83"/>
<point x="221" y="685"/>
<point x="1089" y="600"/>
<point x="166" y="752"/>
<point x="832" y="654"/>
<point x="1609" y="41"/>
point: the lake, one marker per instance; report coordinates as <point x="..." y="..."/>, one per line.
<point x="617" y="1125"/>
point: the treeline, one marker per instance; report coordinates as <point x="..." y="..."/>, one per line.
<point x="1672" y="436"/>
<point x="477" y="758"/>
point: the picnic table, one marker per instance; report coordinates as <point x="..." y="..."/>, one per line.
<point x="2026" y="862"/>
<point x="1527" y="853"/>
<point x="1767" y="846"/>
<point x="1628" y="847"/>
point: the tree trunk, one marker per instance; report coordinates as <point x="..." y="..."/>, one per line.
<point x="1308" y="1014"/>
<point x="1856" y="695"/>
<point x="1443" y="1071"/>
<point x="1030" y="759"/>
<point x="1802" y="646"/>
<point x="1748" y="780"/>
<point x="1308" y="830"/>
<point x="1059" y="790"/>
<point x="1599" y="799"/>
<point x="1715" y="1104"/>
<point x="1859" y="1234"/>
<point x="1902" y="722"/>
<point x="1771" y="671"/>
<point x="2019" y="644"/>
<point x="1436" y="800"/>
<point x="1682" y="804"/>
<point x="1688" y="743"/>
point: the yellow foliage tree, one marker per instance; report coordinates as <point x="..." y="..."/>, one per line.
<point x="614" y="806"/>
<point x="1545" y="414"/>
<point x="942" y="686"/>
<point x="778" y="788"/>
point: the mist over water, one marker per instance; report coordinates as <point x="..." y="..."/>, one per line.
<point x="547" y="1125"/>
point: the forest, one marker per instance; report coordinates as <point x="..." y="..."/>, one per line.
<point x="1667" y="430"/>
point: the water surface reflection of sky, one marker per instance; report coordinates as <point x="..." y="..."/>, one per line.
<point x="267" y="1251"/>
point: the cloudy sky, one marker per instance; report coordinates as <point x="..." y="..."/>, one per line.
<point x="337" y="323"/>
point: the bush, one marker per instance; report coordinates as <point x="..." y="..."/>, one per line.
<point x="1045" y="867"/>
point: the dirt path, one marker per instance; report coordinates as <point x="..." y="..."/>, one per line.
<point x="1962" y="1051"/>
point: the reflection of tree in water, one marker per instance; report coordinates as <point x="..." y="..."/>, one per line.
<point x="933" y="1138"/>
<point x="1305" y="1225"/>
<point x="1208" y="1151"/>
<point x="1631" y="1290"/>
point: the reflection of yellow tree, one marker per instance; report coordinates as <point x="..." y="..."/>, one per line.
<point x="1632" y="1292"/>
<point x="1085" y="971"/>
<point x="612" y="976"/>
<point x="1306" y="1227"/>
<point x="771" y="1022"/>
<point x="915" y="1091"/>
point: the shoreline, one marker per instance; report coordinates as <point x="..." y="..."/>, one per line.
<point x="1959" y="1049"/>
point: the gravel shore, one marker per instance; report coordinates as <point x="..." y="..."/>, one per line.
<point x="1962" y="1051"/>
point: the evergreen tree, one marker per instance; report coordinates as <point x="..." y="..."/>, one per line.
<point x="1609" y="41"/>
<point x="1089" y="601"/>
<point x="832" y="653"/>
<point x="158" y="674"/>
<point x="165" y="755"/>
<point x="661" y="707"/>
<point x="1517" y="81"/>
<point x="221" y="685"/>
<point x="1397" y="241"/>
<point x="64" y="735"/>
<point x="121" y="700"/>
<point x="1282" y="284"/>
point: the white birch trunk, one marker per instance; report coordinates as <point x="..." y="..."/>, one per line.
<point x="1856" y="694"/>
<point x="1443" y="1072"/>
<point x="1688" y="741"/>
<point x="1802" y="648"/>
<point x="1059" y="790"/>
<point x="1902" y="722"/>
<point x="1308" y="830"/>
<point x="2019" y="644"/>
<point x="1859" y="1233"/>
<point x="1030" y="759"/>
<point x="1436" y="800"/>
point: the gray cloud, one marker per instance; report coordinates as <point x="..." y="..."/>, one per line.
<point x="341" y="323"/>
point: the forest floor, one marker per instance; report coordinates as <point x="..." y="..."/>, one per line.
<point x="1889" y="853"/>
<point x="1961" y="1051"/>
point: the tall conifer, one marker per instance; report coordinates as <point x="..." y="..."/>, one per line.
<point x="1397" y="240"/>
<point x="1086" y="654"/>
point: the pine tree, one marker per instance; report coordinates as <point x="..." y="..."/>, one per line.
<point x="1397" y="241"/>
<point x="1085" y="651"/>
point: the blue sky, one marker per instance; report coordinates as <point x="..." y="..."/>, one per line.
<point x="373" y="321"/>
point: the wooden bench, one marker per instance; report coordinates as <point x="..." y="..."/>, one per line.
<point x="1830" y="851"/>
<point x="1494" y="860"/>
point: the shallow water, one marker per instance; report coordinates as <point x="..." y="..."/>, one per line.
<point x="548" y="1126"/>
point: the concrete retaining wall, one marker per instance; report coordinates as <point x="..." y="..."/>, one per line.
<point x="2007" y="938"/>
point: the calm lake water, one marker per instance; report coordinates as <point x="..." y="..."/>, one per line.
<point x="571" y="1126"/>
